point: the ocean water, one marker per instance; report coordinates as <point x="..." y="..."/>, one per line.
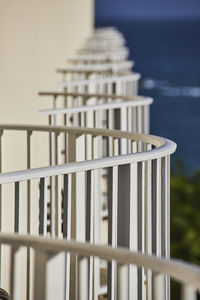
<point x="167" y="54"/>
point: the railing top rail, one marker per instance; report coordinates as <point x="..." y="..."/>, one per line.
<point x="98" y="107"/>
<point x="96" y="67"/>
<point x="180" y="271"/>
<point x="122" y="51"/>
<point x="116" y="39"/>
<point x="164" y="148"/>
<point x="154" y="140"/>
<point x="99" y="57"/>
<point x="113" y="43"/>
<point x="108" y="79"/>
<point x="91" y="95"/>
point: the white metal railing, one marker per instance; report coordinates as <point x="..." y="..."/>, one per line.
<point x="112" y="67"/>
<point x="125" y="113"/>
<point x="105" y="56"/>
<point x="112" y="39"/>
<point x="47" y="250"/>
<point x="91" y="171"/>
<point x="124" y="85"/>
<point x="137" y="192"/>
<point x="100" y="42"/>
<point x="123" y="51"/>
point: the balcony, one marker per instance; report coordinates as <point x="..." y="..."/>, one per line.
<point x="91" y="219"/>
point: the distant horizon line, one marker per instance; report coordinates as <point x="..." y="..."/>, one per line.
<point x="148" y="18"/>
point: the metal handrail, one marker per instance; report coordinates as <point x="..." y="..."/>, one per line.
<point x="101" y="57"/>
<point x="187" y="274"/>
<point x="133" y="103"/>
<point x="109" y="53"/>
<point x="109" y="79"/>
<point x="166" y="149"/>
<point x="177" y="269"/>
<point x="102" y="67"/>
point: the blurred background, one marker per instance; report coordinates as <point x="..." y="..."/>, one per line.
<point x="163" y="37"/>
<point x="164" y="42"/>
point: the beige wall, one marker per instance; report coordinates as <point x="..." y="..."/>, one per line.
<point x="36" y="37"/>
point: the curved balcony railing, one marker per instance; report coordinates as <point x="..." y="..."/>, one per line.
<point x="111" y="67"/>
<point x="113" y="51"/>
<point x="108" y="35"/>
<point x="99" y="57"/>
<point x="47" y="251"/>
<point x="124" y="85"/>
<point x="104" y="45"/>
<point x="113" y="112"/>
<point x="99" y="186"/>
<point x="100" y="42"/>
<point x="68" y="202"/>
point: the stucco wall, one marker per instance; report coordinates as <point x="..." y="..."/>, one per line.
<point x="36" y="38"/>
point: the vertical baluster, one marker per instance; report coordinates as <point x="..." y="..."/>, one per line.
<point x="129" y="119"/>
<point x="122" y="282"/>
<point x="110" y="126"/>
<point x="141" y="226"/>
<point x="67" y="123"/>
<point x="139" y="119"/>
<point x="123" y="226"/>
<point x="149" y="222"/>
<point x="142" y="119"/>
<point x="134" y="147"/>
<point x="156" y="201"/>
<point x="29" y="214"/>
<point x="158" y="287"/>
<point x="18" y="209"/>
<point x="51" y="156"/>
<point x="97" y="213"/>
<point x="40" y="275"/>
<point x="188" y="292"/>
<point x="18" y="222"/>
<point x="67" y="202"/>
<point x="15" y="270"/>
<point x="146" y="119"/>
<point x="133" y="271"/>
<point x="135" y="120"/>
<point x="81" y="219"/>
<point x="89" y="228"/>
<point x="54" y="204"/>
<point x="1" y="202"/>
<point x="112" y="228"/>
<point x="165" y="216"/>
<point x="72" y="158"/>
<point x="159" y="293"/>
<point x="123" y="126"/>
<point x="43" y="207"/>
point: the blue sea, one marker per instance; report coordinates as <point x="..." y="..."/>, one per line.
<point x="167" y="54"/>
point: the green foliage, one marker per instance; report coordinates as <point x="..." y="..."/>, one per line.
<point x="185" y="215"/>
<point x="185" y="219"/>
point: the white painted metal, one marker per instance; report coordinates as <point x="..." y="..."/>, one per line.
<point x="128" y="171"/>
<point x="121" y="66"/>
<point x="132" y="77"/>
<point x="44" y="248"/>
<point x="99" y="57"/>
<point x="135" y="168"/>
<point x="117" y="114"/>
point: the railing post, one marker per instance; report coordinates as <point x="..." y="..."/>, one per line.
<point x="123" y="225"/>
<point x="1" y="202"/>
<point x="40" y="274"/>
